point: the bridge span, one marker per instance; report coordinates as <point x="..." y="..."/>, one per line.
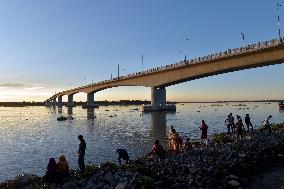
<point x="250" y="56"/>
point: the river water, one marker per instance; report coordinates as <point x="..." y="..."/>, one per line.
<point x="31" y="135"/>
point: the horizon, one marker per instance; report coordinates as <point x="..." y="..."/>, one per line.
<point x="48" y="47"/>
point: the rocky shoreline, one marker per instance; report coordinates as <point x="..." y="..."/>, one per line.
<point x="222" y="164"/>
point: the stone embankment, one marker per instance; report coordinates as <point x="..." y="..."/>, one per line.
<point x="222" y="164"/>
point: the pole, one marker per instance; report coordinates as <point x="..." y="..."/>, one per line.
<point x="278" y="20"/>
<point x="118" y="70"/>
<point x="142" y="61"/>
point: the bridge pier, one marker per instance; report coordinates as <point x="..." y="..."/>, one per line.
<point x="54" y="102"/>
<point x="47" y="103"/>
<point x="70" y="100"/>
<point x="60" y="103"/>
<point x="158" y="97"/>
<point x="90" y="100"/>
<point x="158" y="101"/>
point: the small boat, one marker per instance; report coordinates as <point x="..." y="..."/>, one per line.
<point x="61" y="118"/>
<point x="281" y="105"/>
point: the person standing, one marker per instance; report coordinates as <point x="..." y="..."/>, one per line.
<point x="81" y="153"/>
<point x="239" y="129"/>
<point x="203" y="129"/>
<point x="174" y="141"/>
<point x="248" y="123"/>
<point x="232" y="122"/>
<point x="228" y="124"/>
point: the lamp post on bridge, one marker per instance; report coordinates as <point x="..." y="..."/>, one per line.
<point x="278" y="20"/>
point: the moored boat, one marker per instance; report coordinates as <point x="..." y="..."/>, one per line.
<point x="281" y="105"/>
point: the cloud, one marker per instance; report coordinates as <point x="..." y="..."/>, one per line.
<point x="13" y="85"/>
<point x="33" y="88"/>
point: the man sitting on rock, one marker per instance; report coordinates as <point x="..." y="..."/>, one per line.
<point x="157" y="151"/>
<point x="122" y="154"/>
<point x="266" y="124"/>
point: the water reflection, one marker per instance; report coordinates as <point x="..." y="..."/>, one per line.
<point x="90" y="113"/>
<point x="70" y="110"/>
<point x="281" y="110"/>
<point x="158" y="127"/>
<point x="60" y="110"/>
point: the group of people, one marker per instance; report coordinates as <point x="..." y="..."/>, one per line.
<point x="238" y="127"/>
<point x="233" y="127"/>
<point x="57" y="171"/>
<point x="175" y="141"/>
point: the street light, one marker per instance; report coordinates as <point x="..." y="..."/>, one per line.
<point x="278" y="20"/>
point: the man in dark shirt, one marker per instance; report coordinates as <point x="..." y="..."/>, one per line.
<point x="81" y="153"/>
<point x="248" y="123"/>
<point x="122" y="154"/>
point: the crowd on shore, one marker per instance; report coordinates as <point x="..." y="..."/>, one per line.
<point x="160" y="162"/>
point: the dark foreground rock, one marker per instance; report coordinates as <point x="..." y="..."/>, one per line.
<point x="222" y="164"/>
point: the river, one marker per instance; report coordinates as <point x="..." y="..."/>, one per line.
<point x="31" y="135"/>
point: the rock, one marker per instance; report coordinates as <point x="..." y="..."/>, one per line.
<point x="233" y="177"/>
<point x="193" y="170"/>
<point x="54" y="186"/>
<point x="122" y="185"/>
<point x="242" y="155"/>
<point x="176" y="186"/>
<point x="234" y="183"/>
<point x="159" y="184"/>
<point x="69" y="185"/>
<point x="108" y="177"/>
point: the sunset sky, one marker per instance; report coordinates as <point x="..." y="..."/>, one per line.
<point x="50" y="46"/>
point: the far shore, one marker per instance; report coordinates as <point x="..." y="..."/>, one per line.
<point x="126" y="102"/>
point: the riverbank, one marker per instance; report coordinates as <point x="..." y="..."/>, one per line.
<point x="222" y="164"/>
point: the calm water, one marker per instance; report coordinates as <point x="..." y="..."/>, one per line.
<point x="30" y="135"/>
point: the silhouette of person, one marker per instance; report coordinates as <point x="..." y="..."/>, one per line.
<point x="81" y="153"/>
<point x="51" y="174"/>
<point x="122" y="154"/>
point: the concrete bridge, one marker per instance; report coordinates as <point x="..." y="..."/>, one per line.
<point x="250" y="56"/>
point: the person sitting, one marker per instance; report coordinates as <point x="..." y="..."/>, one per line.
<point x="51" y="174"/>
<point x="187" y="145"/>
<point x="122" y="154"/>
<point x="157" y="151"/>
<point x="63" y="167"/>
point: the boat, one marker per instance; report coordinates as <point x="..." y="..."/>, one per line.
<point x="61" y="118"/>
<point x="281" y="105"/>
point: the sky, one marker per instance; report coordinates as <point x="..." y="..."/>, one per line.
<point x="50" y="46"/>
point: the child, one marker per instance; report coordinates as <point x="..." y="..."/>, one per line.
<point x="187" y="145"/>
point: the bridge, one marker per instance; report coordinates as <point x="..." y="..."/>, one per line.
<point x="250" y="56"/>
